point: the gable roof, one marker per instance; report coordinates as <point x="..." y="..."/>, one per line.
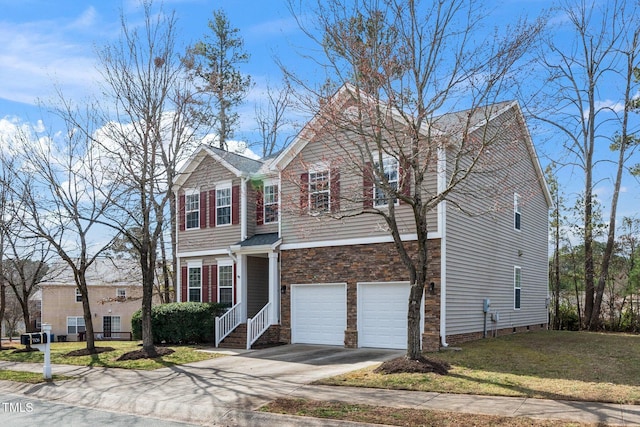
<point x="447" y="124"/>
<point x="102" y="272"/>
<point x="235" y="163"/>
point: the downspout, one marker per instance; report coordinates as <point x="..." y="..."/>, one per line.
<point x="442" y="226"/>
<point x="176" y="268"/>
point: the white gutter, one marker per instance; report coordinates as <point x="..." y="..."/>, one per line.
<point x="176" y="268"/>
<point x="442" y="227"/>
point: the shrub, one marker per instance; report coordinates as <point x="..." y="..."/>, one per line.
<point x="569" y="319"/>
<point x="180" y="322"/>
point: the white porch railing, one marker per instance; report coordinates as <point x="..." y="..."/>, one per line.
<point x="227" y="323"/>
<point x="258" y="324"/>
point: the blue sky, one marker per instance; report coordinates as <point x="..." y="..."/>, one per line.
<point x="52" y="42"/>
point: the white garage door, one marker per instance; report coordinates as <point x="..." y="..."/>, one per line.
<point x="318" y="313"/>
<point x="382" y="314"/>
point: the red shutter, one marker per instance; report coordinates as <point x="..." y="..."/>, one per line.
<point x="304" y="192"/>
<point x="367" y="186"/>
<point x="334" y="189"/>
<point x="205" y="284"/>
<point x="404" y="173"/>
<point x="203" y="209"/>
<point x="184" y="297"/>
<point x="181" y="212"/>
<point x="235" y="205"/>
<point x="260" y="206"/>
<point x="214" y="283"/>
<point x="212" y="208"/>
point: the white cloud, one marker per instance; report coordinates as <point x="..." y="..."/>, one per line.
<point x="36" y="55"/>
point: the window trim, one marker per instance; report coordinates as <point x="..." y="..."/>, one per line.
<point x="517" y="288"/>
<point x="195" y="265"/>
<point x="78" y="295"/>
<point x="276" y="203"/>
<point x="220" y="187"/>
<point x="75" y="318"/>
<point x="517" y="213"/>
<point x="385" y="157"/>
<point x="187" y="211"/>
<point x="220" y="265"/>
<point x="320" y="169"/>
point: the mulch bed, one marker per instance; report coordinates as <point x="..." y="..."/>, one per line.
<point x="406" y="365"/>
<point x="7" y="348"/>
<point x="142" y="354"/>
<point x="26" y="350"/>
<point x="85" y="352"/>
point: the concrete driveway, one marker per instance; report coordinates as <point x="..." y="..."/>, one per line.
<point x="212" y="392"/>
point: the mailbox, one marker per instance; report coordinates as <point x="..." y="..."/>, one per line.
<point x="34" y="338"/>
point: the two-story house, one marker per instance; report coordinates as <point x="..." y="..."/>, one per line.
<point x="263" y="237"/>
<point x="115" y="291"/>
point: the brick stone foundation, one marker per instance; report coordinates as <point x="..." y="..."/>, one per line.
<point x="352" y="264"/>
<point x="474" y="336"/>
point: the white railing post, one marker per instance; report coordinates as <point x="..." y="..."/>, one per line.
<point x="226" y="323"/>
<point x="258" y="324"/>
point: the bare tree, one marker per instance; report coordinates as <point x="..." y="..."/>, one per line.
<point x="149" y="132"/>
<point x="214" y="62"/>
<point x="273" y="121"/>
<point x="64" y="194"/>
<point x="604" y="49"/>
<point x="401" y="65"/>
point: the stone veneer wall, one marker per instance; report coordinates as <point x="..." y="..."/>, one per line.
<point x="352" y="264"/>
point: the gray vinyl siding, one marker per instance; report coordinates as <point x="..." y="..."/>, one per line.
<point x="257" y="284"/>
<point x="301" y="227"/>
<point x="483" y="249"/>
<point x="204" y="178"/>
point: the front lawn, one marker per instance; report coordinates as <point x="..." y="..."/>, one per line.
<point x="59" y="351"/>
<point x="28" y="377"/>
<point x="549" y="364"/>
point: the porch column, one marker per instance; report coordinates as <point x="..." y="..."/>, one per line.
<point x="241" y="281"/>
<point x="274" y="287"/>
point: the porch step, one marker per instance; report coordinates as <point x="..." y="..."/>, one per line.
<point x="237" y="338"/>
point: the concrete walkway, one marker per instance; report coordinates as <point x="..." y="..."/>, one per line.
<point x="225" y="391"/>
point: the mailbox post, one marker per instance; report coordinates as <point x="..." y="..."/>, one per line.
<point x="41" y="341"/>
<point x="46" y="331"/>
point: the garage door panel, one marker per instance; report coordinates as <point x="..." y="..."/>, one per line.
<point x="318" y="314"/>
<point x="382" y="315"/>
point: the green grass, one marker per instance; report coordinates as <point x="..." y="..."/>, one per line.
<point x="181" y="355"/>
<point x="28" y="377"/>
<point x="402" y="416"/>
<point x="550" y="364"/>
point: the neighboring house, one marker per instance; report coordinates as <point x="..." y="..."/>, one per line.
<point x="115" y="292"/>
<point x="252" y="234"/>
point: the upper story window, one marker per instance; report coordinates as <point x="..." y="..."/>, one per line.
<point x="270" y="204"/>
<point x="192" y="210"/>
<point x="390" y="169"/>
<point x="319" y="191"/>
<point x="121" y="293"/>
<point x="516" y="212"/>
<point x="223" y="204"/>
<point x="78" y="295"/>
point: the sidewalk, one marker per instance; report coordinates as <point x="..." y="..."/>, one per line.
<point x="225" y="391"/>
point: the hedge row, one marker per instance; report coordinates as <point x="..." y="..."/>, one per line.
<point x="180" y="322"/>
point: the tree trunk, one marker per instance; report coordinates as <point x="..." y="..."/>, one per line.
<point x="86" y="310"/>
<point x="3" y="305"/>
<point x="414" y="339"/>
<point x="147" y="263"/>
